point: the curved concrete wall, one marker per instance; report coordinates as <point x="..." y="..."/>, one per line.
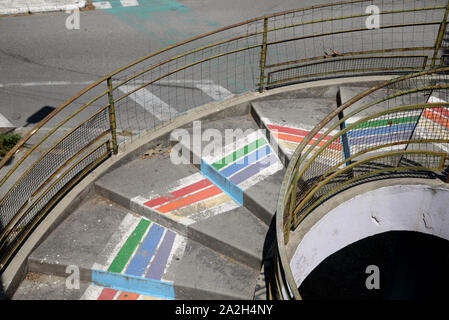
<point x="419" y="208"/>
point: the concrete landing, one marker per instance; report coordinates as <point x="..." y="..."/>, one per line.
<point x="289" y="121"/>
<point x="38" y="286"/>
<point x="347" y="93"/>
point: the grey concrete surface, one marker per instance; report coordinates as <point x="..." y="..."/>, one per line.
<point x="80" y="240"/>
<point x="237" y="233"/>
<point x="261" y="199"/>
<point x="39" y="286"/>
<point x="212" y="277"/>
<point x="349" y="92"/>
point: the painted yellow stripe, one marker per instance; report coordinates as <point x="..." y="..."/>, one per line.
<point x="201" y="206"/>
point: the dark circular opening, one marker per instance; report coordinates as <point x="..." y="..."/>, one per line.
<point x="391" y="265"/>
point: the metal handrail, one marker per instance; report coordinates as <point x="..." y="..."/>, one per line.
<point x="292" y="208"/>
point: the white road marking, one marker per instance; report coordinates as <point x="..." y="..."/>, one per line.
<point x="129" y="3"/>
<point x="92" y="293"/>
<point x="102" y="5"/>
<point x="150" y="102"/>
<point x="4" y="123"/>
<point x="117" y="240"/>
<point x="214" y="91"/>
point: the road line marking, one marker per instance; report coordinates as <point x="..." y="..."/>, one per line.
<point x="4" y="123"/>
<point x="129" y="3"/>
<point x="150" y="102"/>
<point x="214" y="91"/>
<point x="102" y="5"/>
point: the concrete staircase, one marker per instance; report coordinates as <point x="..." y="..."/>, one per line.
<point x="154" y="229"/>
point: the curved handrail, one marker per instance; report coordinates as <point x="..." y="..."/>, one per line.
<point x="257" y="54"/>
<point x="292" y="205"/>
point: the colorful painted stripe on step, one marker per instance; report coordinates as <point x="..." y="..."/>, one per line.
<point x="242" y="166"/>
<point x="434" y="124"/>
<point x="296" y="136"/>
<point x="381" y="130"/>
<point x="438" y="115"/>
<point x="137" y="268"/>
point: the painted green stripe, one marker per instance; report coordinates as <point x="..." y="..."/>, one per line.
<point x="239" y="153"/>
<point x="385" y="122"/>
<point x="128" y="248"/>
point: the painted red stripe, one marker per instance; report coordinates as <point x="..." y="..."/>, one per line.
<point x="107" y="294"/>
<point x="128" y="296"/>
<point x="436" y="118"/>
<point x="178" y="193"/>
<point x="286" y="137"/>
<point x="293" y="131"/>
<point x="201" y="195"/>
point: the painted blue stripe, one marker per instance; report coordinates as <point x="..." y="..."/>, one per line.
<point x="381" y="130"/>
<point x="145" y="251"/>
<point x="383" y="138"/>
<point x="246" y="161"/>
<point x="129" y="283"/>
<point x="222" y="182"/>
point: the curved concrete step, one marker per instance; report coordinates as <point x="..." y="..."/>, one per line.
<point x="189" y="204"/>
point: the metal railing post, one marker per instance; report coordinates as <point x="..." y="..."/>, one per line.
<point x="112" y="119"/>
<point x="263" y="55"/>
<point x="440" y="36"/>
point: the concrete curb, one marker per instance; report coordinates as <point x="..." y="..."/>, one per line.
<point x="42" y="8"/>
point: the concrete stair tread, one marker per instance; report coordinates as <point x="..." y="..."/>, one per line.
<point x="245" y="123"/>
<point x="287" y="122"/>
<point x="212" y="276"/>
<point x="235" y="232"/>
<point x="93" y="239"/>
<point x="81" y="238"/>
<point x="347" y="93"/>
<point x="38" y="286"/>
<point x="261" y="199"/>
<point x="141" y="175"/>
<point x="305" y="113"/>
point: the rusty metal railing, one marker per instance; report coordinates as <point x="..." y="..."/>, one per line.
<point x="329" y="40"/>
<point x="404" y="133"/>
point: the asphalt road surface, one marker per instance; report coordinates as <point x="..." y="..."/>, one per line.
<point x="42" y="63"/>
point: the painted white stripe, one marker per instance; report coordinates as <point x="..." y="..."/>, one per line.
<point x="433" y="99"/>
<point x="92" y="293"/>
<point x="150" y="102"/>
<point x="4" y="123"/>
<point x="87" y="82"/>
<point x="102" y="5"/>
<point x="129" y="3"/>
<point x="117" y="240"/>
<point x="214" y="91"/>
<point x="231" y="147"/>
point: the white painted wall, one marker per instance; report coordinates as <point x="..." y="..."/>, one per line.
<point x="418" y="208"/>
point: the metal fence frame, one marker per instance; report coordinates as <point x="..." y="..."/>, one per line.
<point x="298" y="198"/>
